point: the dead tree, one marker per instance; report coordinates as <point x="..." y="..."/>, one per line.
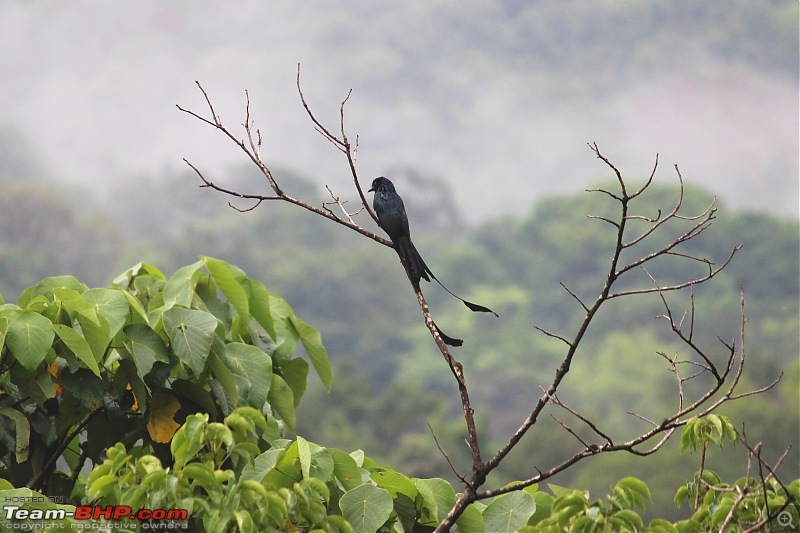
<point x="724" y="373"/>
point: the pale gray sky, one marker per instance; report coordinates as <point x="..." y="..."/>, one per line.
<point x="443" y="86"/>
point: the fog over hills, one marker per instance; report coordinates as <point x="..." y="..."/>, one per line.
<point x="496" y="98"/>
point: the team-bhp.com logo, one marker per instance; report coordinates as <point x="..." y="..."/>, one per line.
<point x="154" y="518"/>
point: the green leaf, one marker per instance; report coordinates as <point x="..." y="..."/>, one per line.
<point x="6" y="315"/>
<point x="345" y="469"/>
<point x="260" y="307"/>
<point x="191" y="333"/>
<point x="304" y="453"/>
<point x="286" y="471"/>
<point x="282" y="401"/>
<point x="233" y="283"/>
<point x="253" y="365"/>
<point x="74" y="302"/>
<point x="366" y="507"/>
<point x="179" y="289"/>
<point x="225" y="379"/>
<point x="394" y="482"/>
<point x="437" y="496"/>
<point x="189" y="439"/>
<point x="636" y="485"/>
<point x="659" y="525"/>
<point x="123" y="280"/>
<point x="626" y="519"/>
<point x="145" y="346"/>
<point x="137" y="306"/>
<point x="286" y="335"/>
<point x="97" y="336"/>
<point x="110" y="304"/>
<point x="29" y="337"/>
<point x="295" y="373"/>
<point x="261" y="466"/>
<point x="471" y="521"/>
<point x="78" y="345"/>
<point x="544" y="504"/>
<point x="509" y="512"/>
<point x="322" y="464"/>
<point x="312" y="342"/>
<point x="687" y="436"/>
<point x="48" y="285"/>
<point x="406" y="511"/>
<point x="22" y="431"/>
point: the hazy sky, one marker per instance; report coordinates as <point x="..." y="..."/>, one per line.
<point x="94" y="87"/>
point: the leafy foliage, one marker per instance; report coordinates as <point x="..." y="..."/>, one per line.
<point x="146" y="352"/>
<point x="186" y="386"/>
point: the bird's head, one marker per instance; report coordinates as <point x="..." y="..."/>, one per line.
<point x="381" y="184"/>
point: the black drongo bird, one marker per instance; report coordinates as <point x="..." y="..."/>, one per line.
<point x="392" y="215"/>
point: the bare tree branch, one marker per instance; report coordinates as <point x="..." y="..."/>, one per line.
<point x="726" y="373"/>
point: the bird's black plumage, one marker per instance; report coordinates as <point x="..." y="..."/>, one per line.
<point x="393" y="219"/>
<point x="392" y="214"/>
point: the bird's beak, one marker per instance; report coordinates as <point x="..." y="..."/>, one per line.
<point x="371" y="189"/>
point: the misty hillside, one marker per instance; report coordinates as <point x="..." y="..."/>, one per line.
<point x="498" y="97"/>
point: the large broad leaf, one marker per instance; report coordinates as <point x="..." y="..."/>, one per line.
<point x="29" y="337"/>
<point x="282" y="400"/>
<point x="123" y="280"/>
<point x="179" y="289"/>
<point x="77" y="345"/>
<point x="260" y="308"/>
<point x="23" y="433"/>
<point x="47" y="285"/>
<point x="286" y="335"/>
<point x="286" y="471"/>
<point x="366" y="508"/>
<point x="438" y="496"/>
<point x="312" y="342"/>
<point x="394" y="482"/>
<point x="6" y="315"/>
<point x="74" y="302"/>
<point x="110" y="304"/>
<point x="261" y="466"/>
<point x="97" y="335"/>
<point x="471" y="521"/>
<point x="509" y="512"/>
<point x="224" y="385"/>
<point x="191" y="333"/>
<point x="345" y="469"/>
<point x="253" y="365"/>
<point x="295" y="373"/>
<point x="233" y="283"/>
<point x="161" y="423"/>
<point x="145" y="346"/>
